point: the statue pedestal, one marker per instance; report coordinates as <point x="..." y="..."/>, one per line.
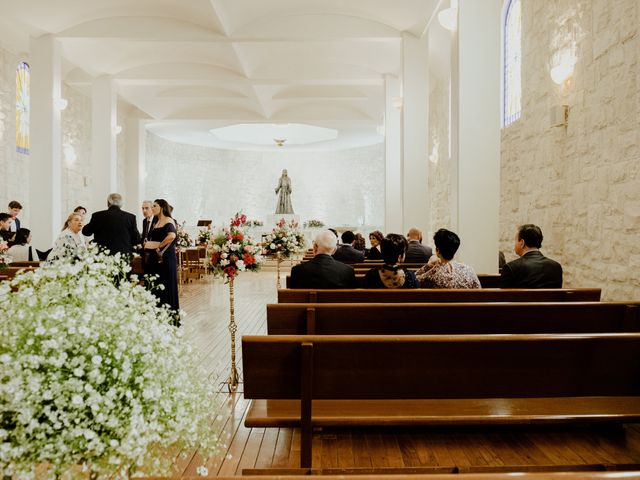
<point x="273" y="219"/>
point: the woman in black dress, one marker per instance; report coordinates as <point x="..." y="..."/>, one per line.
<point x="162" y="262"/>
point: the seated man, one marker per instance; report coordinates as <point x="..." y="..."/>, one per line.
<point x="345" y="253"/>
<point x="416" y="252"/>
<point x="532" y="269"/>
<point x="323" y="271"/>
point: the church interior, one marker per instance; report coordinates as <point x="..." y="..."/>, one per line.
<point x="473" y="115"/>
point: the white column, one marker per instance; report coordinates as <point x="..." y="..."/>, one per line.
<point x="103" y="142"/>
<point x="393" y="154"/>
<point x="476" y="131"/>
<point x="415" y="127"/>
<point x="45" y="197"/>
<point x="135" y="169"/>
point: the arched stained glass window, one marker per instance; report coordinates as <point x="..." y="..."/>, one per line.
<point x="512" y="101"/>
<point x="22" y="108"/>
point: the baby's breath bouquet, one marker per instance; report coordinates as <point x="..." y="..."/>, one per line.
<point x="93" y="376"/>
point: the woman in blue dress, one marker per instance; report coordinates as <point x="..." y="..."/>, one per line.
<point x="162" y="261"/>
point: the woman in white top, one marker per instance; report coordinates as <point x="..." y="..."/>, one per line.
<point x="71" y="238"/>
<point x="21" y="249"/>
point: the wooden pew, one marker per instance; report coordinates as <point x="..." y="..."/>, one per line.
<point x="429" y="295"/>
<point x="487" y="280"/>
<point x="451" y="318"/>
<point x="536" y="474"/>
<point x="25" y="264"/>
<point x="315" y="381"/>
<point x="11" y="272"/>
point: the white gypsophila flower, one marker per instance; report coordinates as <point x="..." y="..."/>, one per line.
<point x="93" y="374"/>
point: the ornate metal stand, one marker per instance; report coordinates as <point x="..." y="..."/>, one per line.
<point x="234" y="379"/>
<point x="278" y="262"/>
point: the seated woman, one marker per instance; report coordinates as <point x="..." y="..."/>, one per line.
<point x="389" y="275"/>
<point x="70" y="239"/>
<point x="359" y="243"/>
<point x="441" y="271"/>
<point x="375" y="238"/>
<point x="21" y="249"/>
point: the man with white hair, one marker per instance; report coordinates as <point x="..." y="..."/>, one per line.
<point x="113" y="228"/>
<point x="148" y="219"/>
<point x="323" y="271"/>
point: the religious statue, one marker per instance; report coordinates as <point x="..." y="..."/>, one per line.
<point x="284" y="194"/>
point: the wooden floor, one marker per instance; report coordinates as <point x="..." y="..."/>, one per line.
<point x="373" y="450"/>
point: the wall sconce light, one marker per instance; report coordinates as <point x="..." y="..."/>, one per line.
<point x="60" y="104"/>
<point x="561" y="73"/>
<point x="448" y="17"/>
<point x="117" y="130"/>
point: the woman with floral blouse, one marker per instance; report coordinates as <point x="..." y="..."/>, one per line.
<point x="441" y="271"/>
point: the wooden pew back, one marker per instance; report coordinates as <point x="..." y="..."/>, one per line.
<point x="442" y="367"/>
<point x="448" y="318"/>
<point x="438" y="295"/>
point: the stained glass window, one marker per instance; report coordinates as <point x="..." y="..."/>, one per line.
<point x="22" y="108"/>
<point x="512" y="101"/>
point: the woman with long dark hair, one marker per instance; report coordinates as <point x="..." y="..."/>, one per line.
<point x="20" y="249"/>
<point x="390" y="275"/>
<point x="160" y="256"/>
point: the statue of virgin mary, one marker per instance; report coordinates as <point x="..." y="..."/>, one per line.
<point x="284" y="195"/>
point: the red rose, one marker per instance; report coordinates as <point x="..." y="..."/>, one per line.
<point x="248" y="259"/>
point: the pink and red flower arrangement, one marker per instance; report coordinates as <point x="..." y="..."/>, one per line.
<point x="232" y="251"/>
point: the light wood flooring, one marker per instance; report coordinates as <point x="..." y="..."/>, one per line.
<point x="370" y="450"/>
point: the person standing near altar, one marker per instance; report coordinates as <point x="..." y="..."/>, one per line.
<point x="113" y="228"/>
<point x="284" y="195"/>
<point x="160" y="256"/>
<point x="147" y="219"/>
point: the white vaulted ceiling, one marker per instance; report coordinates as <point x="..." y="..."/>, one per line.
<point x="193" y="65"/>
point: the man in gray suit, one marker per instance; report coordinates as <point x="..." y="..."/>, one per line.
<point x="416" y="252"/>
<point x="532" y="269"/>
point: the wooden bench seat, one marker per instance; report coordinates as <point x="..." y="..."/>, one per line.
<point x="430" y="295"/>
<point x="451" y="318"/>
<point x="528" y="379"/>
<point x="433" y="412"/>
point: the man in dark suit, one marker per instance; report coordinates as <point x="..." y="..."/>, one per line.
<point x="148" y="219"/>
<point x="416" y="252"/>
<point x="113" y="228"/>
<point x="532" y="269"/>
<point x="345" y="253"/>
<point x="323" y="271"/>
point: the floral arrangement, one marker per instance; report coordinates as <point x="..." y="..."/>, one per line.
<point x="313" y="224"/>
<point x="204" y="235"/>
<point x="232" y="251"/>
<point x="285" y="239"/>
<point x="4" y="258"/>
<point x="94" y="376"/>
<point x="255" y="223"/>
<point x="184" y="240"/>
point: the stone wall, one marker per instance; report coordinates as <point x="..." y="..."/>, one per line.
<point x="338" y="187"/>
<point x="76" y="150"/>
<point x="580" y="184"/>
<point x="439" y="159"/>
